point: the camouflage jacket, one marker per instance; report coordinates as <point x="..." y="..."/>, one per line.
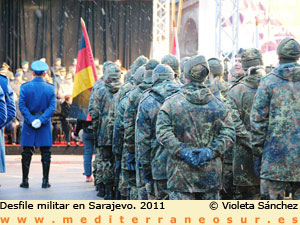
<point x="147" y="148"/>
<point x="275" y="120"/>
<point x="219" y="86"/>
<point x="216" y="91"/>
<point x="99" y="84"/>
<point x="197" y="119"/>
<point x="100" y="112"/>
<point x="130" y="115"/>
<point x="118" y="132"/>
<point x="240" y="98"/>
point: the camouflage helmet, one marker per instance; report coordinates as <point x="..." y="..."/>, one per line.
<point x="141" y="60"/>
<point x="172" y="61"/>
<point x="288" y="48"/>
<point x="215" y="66"/>
<point x="196" y="68"/>
<point x="139" y="75"/>
<point x="106" y="64"/>
<point x="149" y="66"/>
<point x="251" y="57"/>
<point x="112" y="71"/>
<point x="161" y="73"/>
<point x="183" y="61"/>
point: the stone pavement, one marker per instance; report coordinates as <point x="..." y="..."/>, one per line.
<point x="66" y="179"/>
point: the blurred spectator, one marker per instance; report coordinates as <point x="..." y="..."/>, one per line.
<point x="72" y="68"/>
<point x="88" y="142"/>
<point x="58" y="78"/>
<point x="56" y="120"/>
<point x="56" y="67"/>
<point x="8" y="73"/>
<point x="27" y="73"/>
<point x="67" y="85"/>
<point x="65" y="109"/>
<point x="15" y="84"/>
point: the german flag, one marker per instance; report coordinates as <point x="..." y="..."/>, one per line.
<point x="85" y="78"/>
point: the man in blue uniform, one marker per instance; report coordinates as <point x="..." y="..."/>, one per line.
<point x="37" y="103"/>
<point x="7" y="113"/>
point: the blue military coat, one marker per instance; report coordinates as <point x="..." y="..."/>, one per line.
<point x="37" y="101"/>
<point x="7" y="113"/>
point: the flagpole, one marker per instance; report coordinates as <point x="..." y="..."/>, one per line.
<point x="82" y="22"/>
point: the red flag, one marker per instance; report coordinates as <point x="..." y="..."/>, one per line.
<point x="175" y="46"/>
<point x="84" y="79"/>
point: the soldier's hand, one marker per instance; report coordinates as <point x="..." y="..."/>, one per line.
<point x="36" y="123"/>
<point x="187" y="156"/>
<point x="201" y="156"/>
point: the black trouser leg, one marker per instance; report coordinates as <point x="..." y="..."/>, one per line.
<point x="26" y="159"/>
<point x="46" y="160"/>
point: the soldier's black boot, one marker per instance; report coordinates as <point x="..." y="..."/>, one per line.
<point x="109" y="192"/>
<point x="25" y="171"/>
<point x="97" y="187"/>
<point x="46" y="169"/>
<point x="101" y="191"/>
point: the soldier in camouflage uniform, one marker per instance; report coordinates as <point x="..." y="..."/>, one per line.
<point x="173" y="62"/>
<point x="219" y="89"/>
<point x="99" y="84"/>
<point x="275" y="119"/>
<point x="182" y="62"/>
<point x="237" y="71"/>
<point x="217" y="84"/>
<point x="151" y="155"/>
<point x="118" y="138"/>
<point x="195" y="128"/>
<point x="118" y="134"/>
<point x="240" y="97"/>
<point x="100" y="111"/>
<point x="129" y="124"/>
<point x="128" y="167"/>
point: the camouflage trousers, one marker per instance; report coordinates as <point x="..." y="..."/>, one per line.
<point x="227" y="191"/>
<point x="246" y="192"/>
<point x="279" y="190"/>
<point x="123" y="186"/>
<point x="95" y="168"/>
<point x="105" y="165"/>
<point x="161" y="190"/>
<point x="130" y="178"/>
<point x="174" y="195"/>
<point x="140" y="184"/>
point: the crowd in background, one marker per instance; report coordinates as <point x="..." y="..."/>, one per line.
<point x="62" y="78"/>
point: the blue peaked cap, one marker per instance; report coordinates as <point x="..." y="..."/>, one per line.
<point x="39" y="67"/>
